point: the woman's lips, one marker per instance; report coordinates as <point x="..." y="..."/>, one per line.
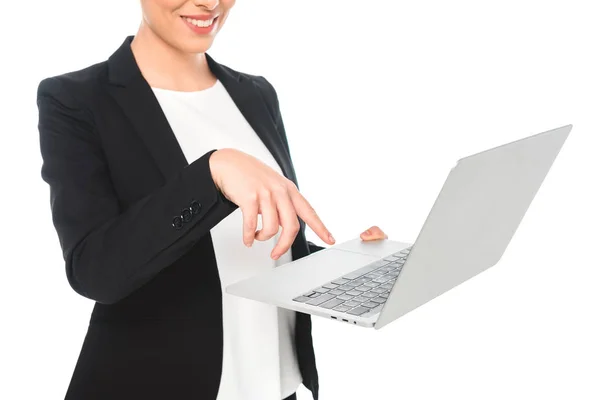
<point x="201" y="24"/>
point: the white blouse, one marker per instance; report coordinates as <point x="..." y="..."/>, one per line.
<point x="259" y="358"/>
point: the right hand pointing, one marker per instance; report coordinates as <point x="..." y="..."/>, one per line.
<point x="258" y="189"/>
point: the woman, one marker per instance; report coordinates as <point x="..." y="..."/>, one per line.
<point x="159" y="161"/>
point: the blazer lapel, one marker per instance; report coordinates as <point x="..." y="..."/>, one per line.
<point x="135" y="96"/>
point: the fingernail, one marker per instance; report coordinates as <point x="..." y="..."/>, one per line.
<point x="275" y="257"/>
<point x="331" y="239"/>
<point x="368" y="232"/>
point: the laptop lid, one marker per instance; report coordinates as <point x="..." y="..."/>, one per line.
<point x="473" y="219"/>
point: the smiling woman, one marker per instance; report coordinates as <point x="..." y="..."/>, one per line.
<point x="160" y="162"/>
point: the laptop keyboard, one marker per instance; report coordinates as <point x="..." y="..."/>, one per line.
<point x="361" y="292"/>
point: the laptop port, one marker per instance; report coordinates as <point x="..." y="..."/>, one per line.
<point x="333" y="317"/>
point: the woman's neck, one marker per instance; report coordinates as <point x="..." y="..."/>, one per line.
<point x="166" y="67"/>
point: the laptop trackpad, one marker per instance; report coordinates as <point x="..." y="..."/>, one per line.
<point x="299" y="276"/>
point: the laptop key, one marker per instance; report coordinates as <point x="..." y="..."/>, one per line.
<point x="352" y="303"/>
<point x="356" y="274"/>
<point x="359" y="272"/>
<point x="340" y="281"/>
<point x="369" y="304"/>
<point x="353" y="275"/>
<point x="371" y="284"/>
<point x="330" y="286"/>
<point x="362" y="288"/>
<point x="378" y="290"/>
<point x="331" y="303"/>
<point x="379" y="263"/>
<point x="370" y="295"/>
<point x="345" y="287"/>
<point x="313" y="294"/>
<point x="342" y="308"/>
<point x="353" y="284"/>
<point x="336" y="292"/>
<point x="353" y="292"/>
<point x="302" y="299"/>
<point x="344" y="297"/>
<point x="379" y="300"/>
<point x="371" y="275"/>
<point x="358" y="311"/>
<point x="382" y="279"/>
<point x="321" y="290"/>
<point x="321" y="299"/>
<point x="361" y="299"/>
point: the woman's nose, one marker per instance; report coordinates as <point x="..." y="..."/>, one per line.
<point x="208" y="4"/>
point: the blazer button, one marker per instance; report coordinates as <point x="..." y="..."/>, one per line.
<point x="186" y="214"/>
<point x="195" y="207"/>
<point x="177" y="222"/>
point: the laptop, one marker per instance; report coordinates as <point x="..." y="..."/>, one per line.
<point x="372" y="283"/>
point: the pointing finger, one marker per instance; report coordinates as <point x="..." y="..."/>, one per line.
<point x="309" y="215"/>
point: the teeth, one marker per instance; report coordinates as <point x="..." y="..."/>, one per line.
<point x="200" y="23"/>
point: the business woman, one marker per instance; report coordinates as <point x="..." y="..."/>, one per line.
<point x="159" y="162"/>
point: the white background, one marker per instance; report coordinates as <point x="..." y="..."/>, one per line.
<point x="379" y="98"/>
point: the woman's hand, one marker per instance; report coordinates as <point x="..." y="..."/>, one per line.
<point x="258" y="189"/>
<point x="373" y="233"/>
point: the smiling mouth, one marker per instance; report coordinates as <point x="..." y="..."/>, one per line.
<point x="200" y="23"/>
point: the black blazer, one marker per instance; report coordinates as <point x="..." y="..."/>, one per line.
<point x="134" y="218"/>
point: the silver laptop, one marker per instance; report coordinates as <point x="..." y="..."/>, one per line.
<point x="372" y="283"/>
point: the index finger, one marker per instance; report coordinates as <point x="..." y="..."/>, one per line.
<point x="309" y="215"/>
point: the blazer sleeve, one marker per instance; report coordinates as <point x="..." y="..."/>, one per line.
<point x="109" y="251"/>
<point x="276" y="112"/>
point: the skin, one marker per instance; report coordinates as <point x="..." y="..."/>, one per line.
<point x="171" y="56"/>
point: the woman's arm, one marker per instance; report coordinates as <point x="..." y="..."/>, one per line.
<point x="110" y="252"/>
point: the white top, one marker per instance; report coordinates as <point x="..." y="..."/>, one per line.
<point x="259" y="358"/>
